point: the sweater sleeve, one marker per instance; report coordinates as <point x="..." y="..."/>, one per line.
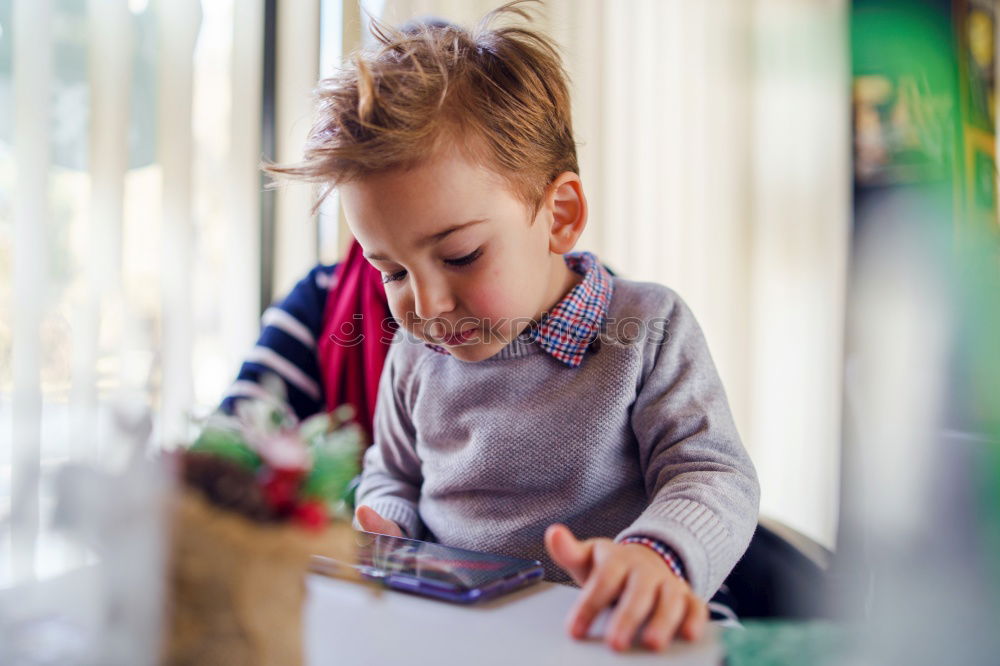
<point x="286" y="348"/>
<point x="391" y="476"/>
<point x="702" y="485"/>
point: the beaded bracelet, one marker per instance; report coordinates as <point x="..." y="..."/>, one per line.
<point x="665" y="551"/>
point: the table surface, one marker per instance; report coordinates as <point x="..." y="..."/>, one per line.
<point x="350" y="623"/>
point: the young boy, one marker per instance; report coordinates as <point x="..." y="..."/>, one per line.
<point x="532" y="404"/>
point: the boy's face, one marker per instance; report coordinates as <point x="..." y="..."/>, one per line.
<point x="466" y="264"/>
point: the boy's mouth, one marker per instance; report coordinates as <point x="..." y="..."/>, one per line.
<point x="459" y="338"/>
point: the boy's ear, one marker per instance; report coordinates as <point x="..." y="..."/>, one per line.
<point x="566" y="201"/>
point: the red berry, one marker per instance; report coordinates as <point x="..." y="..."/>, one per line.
<point x="289" y="474"/>
<point x="281" y="487"/>
<point x="312" y="514"/>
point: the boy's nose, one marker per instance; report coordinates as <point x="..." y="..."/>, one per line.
<point x="432" y="298"/>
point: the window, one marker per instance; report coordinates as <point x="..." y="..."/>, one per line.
<point x="129" y="233"/>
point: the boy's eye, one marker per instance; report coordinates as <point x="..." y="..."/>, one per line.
<point x="466" y="260"/>
<point x="461" y="261"/>
<point x="392" y="277"/>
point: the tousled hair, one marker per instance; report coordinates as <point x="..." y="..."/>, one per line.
<point x="499" y="93"/>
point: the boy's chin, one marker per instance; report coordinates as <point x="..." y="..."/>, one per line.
<point x="474" y="352"/>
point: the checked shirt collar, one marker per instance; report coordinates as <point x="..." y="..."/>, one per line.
<point x="568" y="329"/>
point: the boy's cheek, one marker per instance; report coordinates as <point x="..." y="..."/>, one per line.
<point x="491" y="303"/>
<point x="402" y="311"/>
<point x="495" y="308"/>
<point x="399" y="311"/>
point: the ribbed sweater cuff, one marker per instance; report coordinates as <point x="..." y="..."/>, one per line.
<point x="695" y="533"/>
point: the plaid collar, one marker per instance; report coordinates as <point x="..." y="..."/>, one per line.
<point x="569" y="328"/>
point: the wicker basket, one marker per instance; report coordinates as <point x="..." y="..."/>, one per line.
<point x="237" y="587"/>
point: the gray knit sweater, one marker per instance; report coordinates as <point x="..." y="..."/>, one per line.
<point x="638" y="440"/>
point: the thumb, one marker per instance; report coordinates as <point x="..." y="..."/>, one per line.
<point x="568" y="552"/>
<point x="370" y="521"/>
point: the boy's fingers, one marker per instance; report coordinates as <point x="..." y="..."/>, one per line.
<point x="366" y="521"/>
<point x="633" y="607"/>
<point x="370" y="521"/>
<point x="694" y="623"/>
<point x="666" y="617"/>
<point x="565" y="550"/>
<point x="601" y="589"/>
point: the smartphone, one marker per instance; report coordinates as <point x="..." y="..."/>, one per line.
<point x="433" y="570"/>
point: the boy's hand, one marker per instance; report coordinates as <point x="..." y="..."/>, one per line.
<point x="638" y="578"/>
<point x="370" y="521"/>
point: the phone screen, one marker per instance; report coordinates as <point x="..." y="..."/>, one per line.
<point x="443" y="571"/>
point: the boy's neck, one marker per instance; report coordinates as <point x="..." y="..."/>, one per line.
<point x="563" y="280"/>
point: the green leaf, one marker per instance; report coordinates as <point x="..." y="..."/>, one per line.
<point x="334" y="465"/>
<point x="226" y="444"/>
<point x="315" y="428"/>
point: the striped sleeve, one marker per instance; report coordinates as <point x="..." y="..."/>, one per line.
<point x="286" y="348"/>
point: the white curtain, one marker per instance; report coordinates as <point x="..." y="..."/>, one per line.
<point x="297" y="70"/>
<point x="132" y="160"/>
<point x="714" y="147"/>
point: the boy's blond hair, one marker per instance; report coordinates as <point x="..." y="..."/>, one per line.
<point x="500" y="93"/>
